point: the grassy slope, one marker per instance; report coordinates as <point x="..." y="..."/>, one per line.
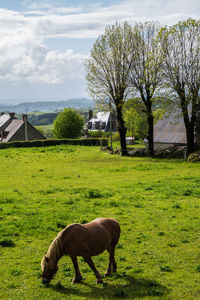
<point x="155" y="201"/>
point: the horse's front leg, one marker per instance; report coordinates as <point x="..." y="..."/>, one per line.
<point x="78" y="276"/>
<point x="89" y="260"/>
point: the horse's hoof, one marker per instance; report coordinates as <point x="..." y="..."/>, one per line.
<point x="99" y="280"/>
<point x="76" y="280"/>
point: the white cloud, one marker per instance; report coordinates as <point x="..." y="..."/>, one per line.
<point x="24" y="56"/>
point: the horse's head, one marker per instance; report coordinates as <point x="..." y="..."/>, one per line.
<point x="48" y="271"/>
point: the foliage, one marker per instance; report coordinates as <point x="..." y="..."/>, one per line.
<point x="99" y="134"/>
<point x="108" y="70"/>
<point x="68" y="124"/>
<point x="54" y="142"/>
<point x="180" y="45"/>
<point x="51" y="187"/>
<point x="136" y="118"/>
<point x="115" y="136"/>
<point x="46" y="131"/>
<point x="40" y="129"/>
<point x="146" y="72"/>
<point x="194" y="157"/>
<point x="7" y="243"/>
<point x="40" y="119"/>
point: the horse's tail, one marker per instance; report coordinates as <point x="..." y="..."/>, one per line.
<point x="118" y="231"/>
<point x="115" y="230"/>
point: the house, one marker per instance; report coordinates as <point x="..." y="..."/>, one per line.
<point x="101" y="121"/>
<point x="13" y="129"/>
<point x="169" y="132"/>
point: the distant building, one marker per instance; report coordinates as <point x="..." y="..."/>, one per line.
<point x="169" y="132"/>
<point x="13" y="129"/>
<point x="101" y="121"/>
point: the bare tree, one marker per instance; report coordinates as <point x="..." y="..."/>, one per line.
<point x="146" y="71"/>
<point x="181" y="51"/>
<point x="108" y="69"/>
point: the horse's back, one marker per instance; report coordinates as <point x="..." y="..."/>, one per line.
<point x="91" y="238"/>
<point x="110" y="225"/>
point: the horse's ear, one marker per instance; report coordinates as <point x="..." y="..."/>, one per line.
<point x="46" y="258"/>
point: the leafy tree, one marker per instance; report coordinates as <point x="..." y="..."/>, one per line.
<point x="68" y="124"/>
<point x="135" y="118"/>
<point x="40" y="129"/>
<point x="181" y="51"/>
<point x="146" y="71"/>
<point x="108" y="70"/>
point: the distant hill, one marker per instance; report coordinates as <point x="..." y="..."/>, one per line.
<point x="48" y="106"/>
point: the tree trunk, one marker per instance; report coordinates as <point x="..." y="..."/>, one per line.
<point x="189" y="126"/>
<point x="150" y="130"/>
<point x="190" y="137"/>
<point x="122" y="130"/>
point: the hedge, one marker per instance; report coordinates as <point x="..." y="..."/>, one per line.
<point x="54" y="142"/>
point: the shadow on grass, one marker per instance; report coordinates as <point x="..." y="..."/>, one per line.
<point x="133" y="288"/>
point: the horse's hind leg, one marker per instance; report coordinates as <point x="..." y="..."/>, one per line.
<point x="89" y="260"/>
<point x="112" y="266"/>
<point x="109" y="269"/>
<point x="78" y="276"/>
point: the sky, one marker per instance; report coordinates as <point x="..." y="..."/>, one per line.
<point x="44" y="43"/>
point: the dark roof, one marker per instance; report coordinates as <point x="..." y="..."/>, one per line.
<point x="3" y="119"/>
<point x="12" y="128"/>
<point x="170" y="130"/>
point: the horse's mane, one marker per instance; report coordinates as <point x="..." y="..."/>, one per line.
<point x="55" y="250"/>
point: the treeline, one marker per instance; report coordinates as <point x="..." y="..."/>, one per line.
<point x="42" y="119"/>
<point x="158" y="66"/>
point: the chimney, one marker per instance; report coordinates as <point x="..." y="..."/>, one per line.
<point x="90" y="114"/>
<point x="12" y="115"/>
<point x="24" y="117"/>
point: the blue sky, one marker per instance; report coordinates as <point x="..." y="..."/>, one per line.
<point x="43" y="43"/>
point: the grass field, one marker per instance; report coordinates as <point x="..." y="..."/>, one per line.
<point x="157" y="203"/>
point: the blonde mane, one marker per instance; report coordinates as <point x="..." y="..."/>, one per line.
<point x="55" y="251"/>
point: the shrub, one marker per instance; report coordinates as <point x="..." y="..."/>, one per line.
<point x="93" y="194"/>
<point x="193" y="157"/>
<point x="116" y="137"/>
<point x="7" y="243"/>
<point x="166" y="269"/>
<point x="55" y="142"/>
<point x="68" y="124"/>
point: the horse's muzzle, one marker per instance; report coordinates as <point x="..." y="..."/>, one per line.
<point x="45" y="280"/>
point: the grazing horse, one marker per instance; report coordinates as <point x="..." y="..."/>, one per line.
<point x="84" y="240"/>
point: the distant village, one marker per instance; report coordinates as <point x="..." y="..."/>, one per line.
<point x="168" y="132"/>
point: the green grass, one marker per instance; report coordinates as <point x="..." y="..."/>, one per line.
<point x="157" y="203"/>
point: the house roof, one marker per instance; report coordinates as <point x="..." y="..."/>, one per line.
<point x="12" y="128"/>
<point x="3" y="119"/>
<point x="9" y="126"/>
<point x="170" y="130"/>
<point x="101" y="116"/>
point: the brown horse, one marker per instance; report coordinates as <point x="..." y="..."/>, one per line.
<point x="82" y="240"/>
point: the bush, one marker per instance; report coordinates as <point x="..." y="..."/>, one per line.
<point x="68" y="124"/>
<point x="193" y="157"/>
<point x="55" y="142"/>
<point x="7" y="243"/>
<point x="99" y="134"/>
<point x="116" y="136"/>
